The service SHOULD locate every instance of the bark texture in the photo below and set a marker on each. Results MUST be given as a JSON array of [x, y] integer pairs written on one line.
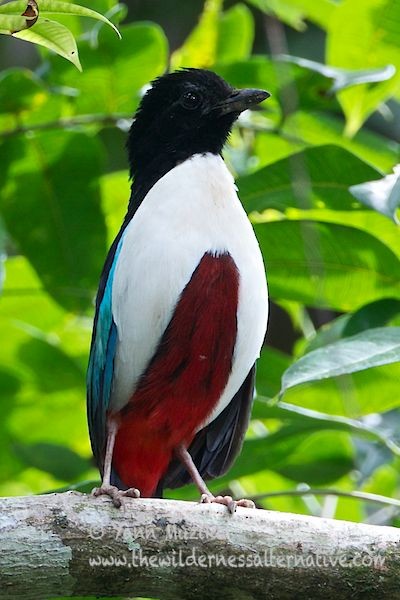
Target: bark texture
[[75, 545]]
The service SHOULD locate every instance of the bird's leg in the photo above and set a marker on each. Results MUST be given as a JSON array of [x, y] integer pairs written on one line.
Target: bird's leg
[[206, 496], [106, 489]]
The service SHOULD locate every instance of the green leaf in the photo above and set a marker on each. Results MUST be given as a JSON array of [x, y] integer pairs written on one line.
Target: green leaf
[[10, 386], [57, 221], [307, 421], [47, 33], [370, 222], [363, 34], [270, 147], [371, 348], [13, 8], [11, 23], [118, 12], [382, 195], [327, 265], [319, 12], [37, 354], [315, 177], [62, 462], [31, 321], [319, 128], [321, 458], [361, 393], [333, 331], [369, 391], [256, 71], [20, 89], [325, 456], [376, 314], [236, 34], [293, 12], [24, 18], [383, 481], [25, 307], [115, 190], [199, 49], [270, 368], [54, 36], [66, 8], [60, 8], [104, 86], [283, 10], [342, 78], [26, 101]]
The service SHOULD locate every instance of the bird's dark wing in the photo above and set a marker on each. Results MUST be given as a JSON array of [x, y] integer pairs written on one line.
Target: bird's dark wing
[[215, 447]]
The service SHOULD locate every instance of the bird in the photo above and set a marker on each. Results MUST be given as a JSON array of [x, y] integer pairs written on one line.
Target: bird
[[182, 304]]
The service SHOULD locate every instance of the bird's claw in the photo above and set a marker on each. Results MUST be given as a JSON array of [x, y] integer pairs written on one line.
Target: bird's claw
[[227, 501], [115, 494]]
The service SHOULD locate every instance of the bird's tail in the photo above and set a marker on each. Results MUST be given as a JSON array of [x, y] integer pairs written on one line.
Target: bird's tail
[[158, 493]]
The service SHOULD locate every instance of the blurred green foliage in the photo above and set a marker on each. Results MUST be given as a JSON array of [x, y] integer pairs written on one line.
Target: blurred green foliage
[[63, 193]]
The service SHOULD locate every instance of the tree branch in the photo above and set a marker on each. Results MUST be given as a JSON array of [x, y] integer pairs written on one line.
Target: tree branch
[[96, 119], [72, 544]]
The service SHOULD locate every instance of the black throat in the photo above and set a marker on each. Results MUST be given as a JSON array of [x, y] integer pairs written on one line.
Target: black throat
[[184, 113], [153, 154]]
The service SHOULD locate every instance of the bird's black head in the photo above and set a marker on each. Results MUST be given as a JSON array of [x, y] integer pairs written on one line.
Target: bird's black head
[[184, 113]]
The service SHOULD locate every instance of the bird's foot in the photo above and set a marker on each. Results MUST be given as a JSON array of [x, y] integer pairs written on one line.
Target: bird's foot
[[115, 494], [228, 501]]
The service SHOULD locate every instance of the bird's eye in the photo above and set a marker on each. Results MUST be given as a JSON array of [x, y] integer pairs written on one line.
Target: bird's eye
[[190, 100]]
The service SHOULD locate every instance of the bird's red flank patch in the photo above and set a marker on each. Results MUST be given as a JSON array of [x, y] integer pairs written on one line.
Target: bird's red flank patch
[[185, 378]]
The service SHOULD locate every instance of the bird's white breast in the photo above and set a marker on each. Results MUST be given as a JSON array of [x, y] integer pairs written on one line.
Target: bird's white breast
[[193, 209]]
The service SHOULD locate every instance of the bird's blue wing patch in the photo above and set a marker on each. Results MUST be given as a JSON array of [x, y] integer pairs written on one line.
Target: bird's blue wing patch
[[101, 361]]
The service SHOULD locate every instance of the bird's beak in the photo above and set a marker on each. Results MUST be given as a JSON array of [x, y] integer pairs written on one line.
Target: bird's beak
[[241, 100]]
